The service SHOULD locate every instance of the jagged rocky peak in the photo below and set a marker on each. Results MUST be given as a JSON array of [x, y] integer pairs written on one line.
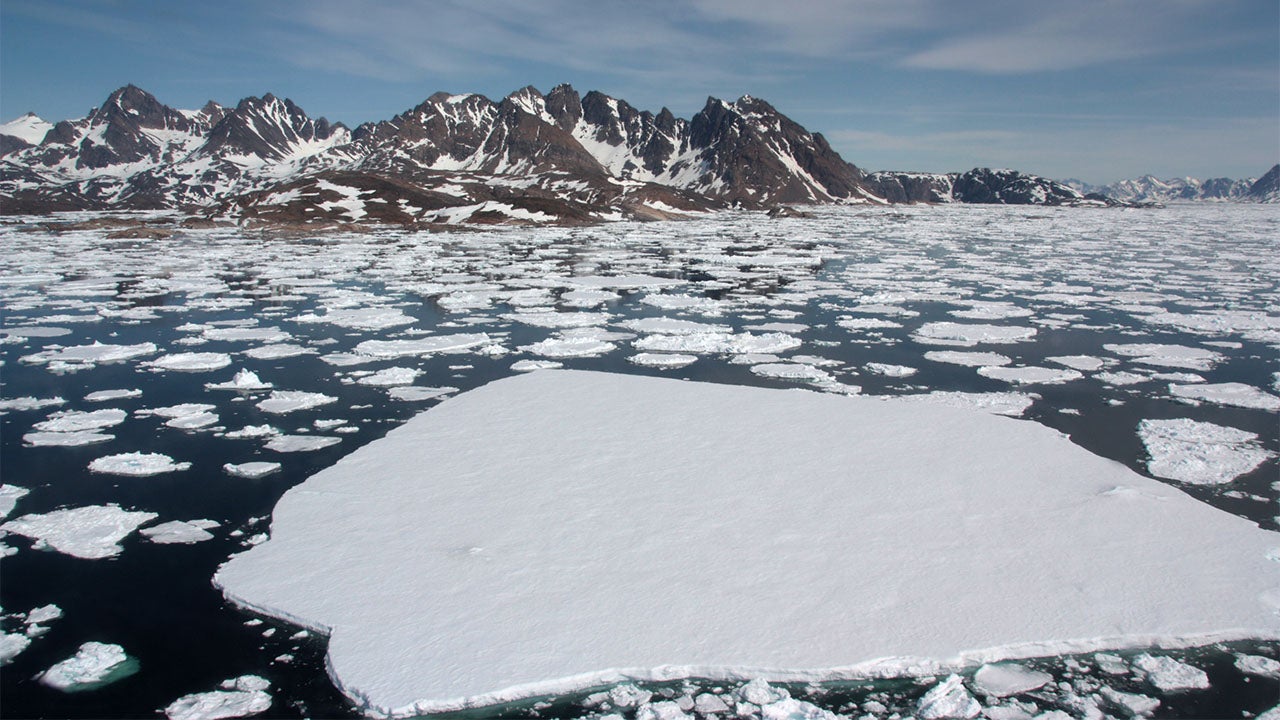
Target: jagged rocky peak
[[268, 128], [1267, 188]]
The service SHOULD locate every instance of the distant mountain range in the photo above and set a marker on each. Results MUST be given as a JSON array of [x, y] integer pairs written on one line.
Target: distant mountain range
[[1149, 188], [559, 158]]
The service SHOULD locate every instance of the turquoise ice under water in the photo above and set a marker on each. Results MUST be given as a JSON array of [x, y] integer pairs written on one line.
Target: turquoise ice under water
[[830, 298]]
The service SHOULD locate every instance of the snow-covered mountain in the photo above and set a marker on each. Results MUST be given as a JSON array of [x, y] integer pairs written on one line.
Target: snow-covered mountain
[[1149, 188], [980, 186], [560, 155], [1267, 187]]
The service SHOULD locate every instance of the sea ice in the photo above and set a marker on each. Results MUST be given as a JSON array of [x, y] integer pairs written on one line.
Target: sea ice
[[967, 335], [792, 371], [1199, 453], [11, 644], [239, 697], [245, 334], [300, 443], [663, 360], [93, 665], [1178, 356], [1129, 704], [1228, 393], [422, 346], [137, 464], [391, 377], [867, 323], [251, 470], [569, 347], [1005, 679], [43, 614], [30, 403], [897, 371], [9, 497], [672, 326], [89, 532], [65, 439], [242, 381], [558, 320], [718, 343], [417, 393], [557, 543], [1087, 363], [1032, 375], [105, 395], [190, 362], [180, 532], [531, 365], [948, 699], [1168, 675], [1258, 665], [967, 359], [253, 431], [287, 401], [277, 351], [66, 421], [366, 318], [89, 354]]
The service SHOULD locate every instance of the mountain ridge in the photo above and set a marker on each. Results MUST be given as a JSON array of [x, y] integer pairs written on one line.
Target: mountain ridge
[[559, 157]]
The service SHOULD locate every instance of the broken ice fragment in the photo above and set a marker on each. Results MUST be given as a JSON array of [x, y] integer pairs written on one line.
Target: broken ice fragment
[[948, 699], [137, 464], [95, 664]]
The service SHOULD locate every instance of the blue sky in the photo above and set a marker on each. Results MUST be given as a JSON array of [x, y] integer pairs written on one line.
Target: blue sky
[[1094, 89]]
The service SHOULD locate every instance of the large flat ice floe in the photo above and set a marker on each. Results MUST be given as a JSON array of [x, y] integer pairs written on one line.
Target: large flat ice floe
[[562, 529]]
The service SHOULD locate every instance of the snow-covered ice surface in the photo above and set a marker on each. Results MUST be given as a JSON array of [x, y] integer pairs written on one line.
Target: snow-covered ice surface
[[559, 544], [89, 532], [1178, 304], [1199, 452], [95, 664], [244, 696]]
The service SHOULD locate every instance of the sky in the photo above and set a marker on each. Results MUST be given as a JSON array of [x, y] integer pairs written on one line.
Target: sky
[[1097, 90]]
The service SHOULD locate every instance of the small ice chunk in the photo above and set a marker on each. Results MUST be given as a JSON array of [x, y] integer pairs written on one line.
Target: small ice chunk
[[94, 664], [65, 439], [105, 395], [531, 365], [301, 443], [792, 371], [1168, 675], [1121, 378], [29, 403], [967, 359], [1129, 704], [253, 431], [287, 401], [391, 377], [1031, 375], [1087, 363], [137, 464], [240, 697], [948, 699], [43, 614], [1178, 356], [414, 393], [10, 645], [663, 360], [9, 497], [569, 347], [1229, 393], [66, 421], [628, 695], [1005, 679], [1199, 453], [967, 335], [190, 362], [242, 381], [672, 326], [897, 371], [89, 532], [1258, 665], [277, 351], [251, 470], [178, 532]]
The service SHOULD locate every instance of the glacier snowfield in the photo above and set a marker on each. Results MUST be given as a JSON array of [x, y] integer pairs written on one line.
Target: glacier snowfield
[[160, 397]]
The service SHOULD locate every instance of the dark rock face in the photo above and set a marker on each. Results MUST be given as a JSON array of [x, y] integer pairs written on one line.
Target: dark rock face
[[908, 187], [11, 144], [1267, 188], [1009, 187]]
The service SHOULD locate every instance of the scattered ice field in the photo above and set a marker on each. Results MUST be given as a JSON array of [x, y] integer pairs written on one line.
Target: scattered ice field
[[160, 396]]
